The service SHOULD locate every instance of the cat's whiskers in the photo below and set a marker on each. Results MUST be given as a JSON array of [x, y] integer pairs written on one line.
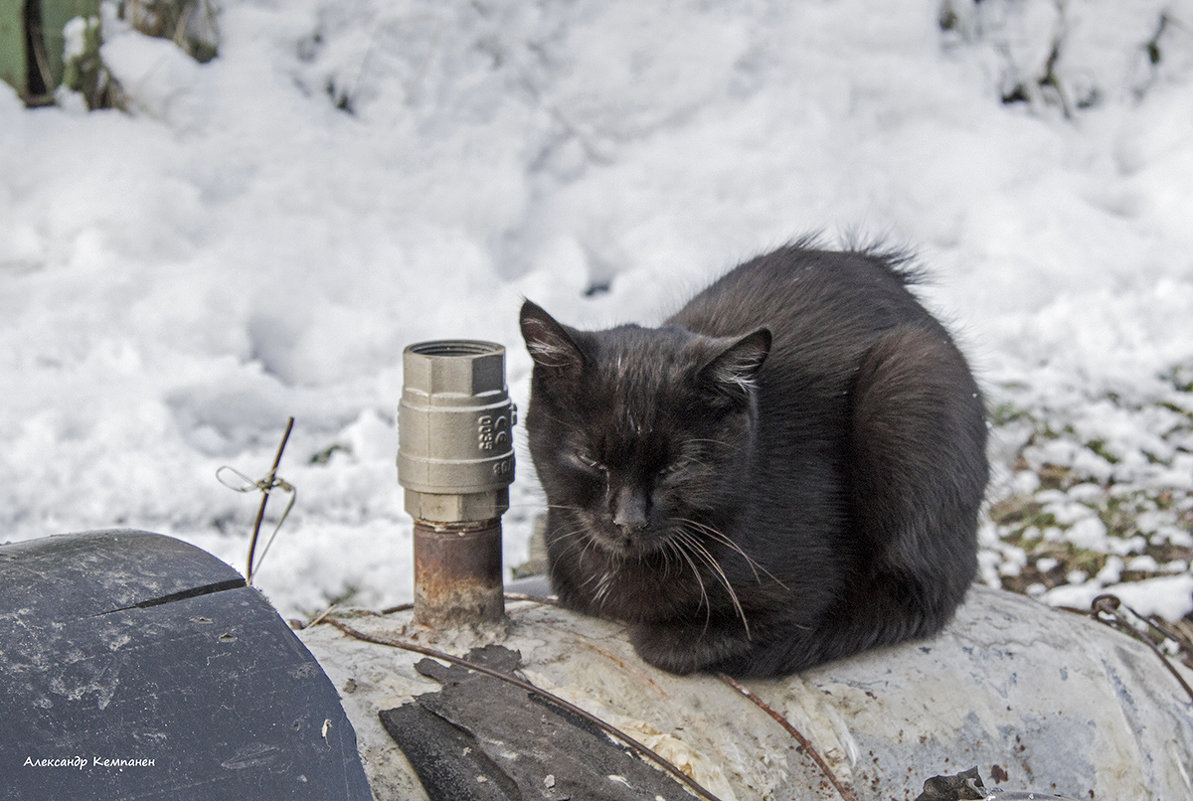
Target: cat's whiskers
[[724, 539], [574, 535], [672, 545], [605, 585], [697, 549], [589, 544], [717, 535], [567, 541], [603, 580], [602, 591], [664, 552], [670, 556]]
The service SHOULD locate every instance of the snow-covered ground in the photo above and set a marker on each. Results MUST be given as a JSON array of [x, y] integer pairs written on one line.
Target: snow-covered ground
[[260, 236]]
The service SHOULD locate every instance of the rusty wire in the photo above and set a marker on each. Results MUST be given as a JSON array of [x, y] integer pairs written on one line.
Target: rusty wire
[[1106, 609], [522, 684], [844, 789]]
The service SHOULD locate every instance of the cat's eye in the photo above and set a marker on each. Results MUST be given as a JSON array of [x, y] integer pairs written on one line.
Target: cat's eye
[[586, 460], [673, 467]]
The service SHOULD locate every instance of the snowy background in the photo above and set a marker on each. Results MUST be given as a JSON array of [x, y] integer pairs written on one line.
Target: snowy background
[[260, 236]]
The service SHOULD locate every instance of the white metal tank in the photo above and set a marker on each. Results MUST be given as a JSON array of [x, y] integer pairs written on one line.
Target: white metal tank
[[1037, 699]]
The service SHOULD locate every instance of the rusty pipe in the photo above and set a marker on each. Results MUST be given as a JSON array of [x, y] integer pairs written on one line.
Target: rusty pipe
[[455, 463]]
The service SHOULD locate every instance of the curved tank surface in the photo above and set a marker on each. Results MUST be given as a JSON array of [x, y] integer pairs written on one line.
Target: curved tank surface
[[1036, 698]]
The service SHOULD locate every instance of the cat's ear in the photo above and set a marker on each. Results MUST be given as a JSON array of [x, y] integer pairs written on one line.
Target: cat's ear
[[550, 343], [731, 373]]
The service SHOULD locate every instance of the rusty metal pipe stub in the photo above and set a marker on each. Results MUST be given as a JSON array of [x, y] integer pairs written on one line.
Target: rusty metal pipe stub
[[457, 574]]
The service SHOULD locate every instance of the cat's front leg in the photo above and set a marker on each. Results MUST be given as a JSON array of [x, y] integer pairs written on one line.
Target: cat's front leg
[[687, 647]]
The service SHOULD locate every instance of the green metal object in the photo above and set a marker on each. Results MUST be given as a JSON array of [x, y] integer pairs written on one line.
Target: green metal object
[[32, 43], [13, 55]]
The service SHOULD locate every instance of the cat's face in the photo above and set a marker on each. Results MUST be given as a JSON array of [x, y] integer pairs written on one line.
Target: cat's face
[[639, 433]]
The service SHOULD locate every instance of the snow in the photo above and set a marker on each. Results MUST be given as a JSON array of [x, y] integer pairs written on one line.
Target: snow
[[260, 236]]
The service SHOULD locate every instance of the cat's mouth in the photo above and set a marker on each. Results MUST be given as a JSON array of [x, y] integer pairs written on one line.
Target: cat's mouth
[[624, 542]]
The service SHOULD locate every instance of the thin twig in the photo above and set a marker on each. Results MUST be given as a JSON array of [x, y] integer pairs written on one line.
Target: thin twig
[[545, 600], [319, 617], [509, 596], [845, 790], [389, 610], [566, 705], [265, 486], [268, 484]]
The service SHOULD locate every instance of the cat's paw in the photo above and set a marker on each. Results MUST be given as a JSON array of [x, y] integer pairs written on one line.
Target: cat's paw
[[681, 648], [653, 644]]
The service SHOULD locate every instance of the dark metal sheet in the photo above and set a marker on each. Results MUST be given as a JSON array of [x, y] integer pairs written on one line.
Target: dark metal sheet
[[480, 737], [136, 666]]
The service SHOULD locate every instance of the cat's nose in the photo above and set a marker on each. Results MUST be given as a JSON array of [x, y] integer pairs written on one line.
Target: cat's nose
[[629, 509], [630, 524]]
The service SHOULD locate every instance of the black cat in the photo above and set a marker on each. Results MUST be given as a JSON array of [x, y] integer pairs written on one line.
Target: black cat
[[787, 472]]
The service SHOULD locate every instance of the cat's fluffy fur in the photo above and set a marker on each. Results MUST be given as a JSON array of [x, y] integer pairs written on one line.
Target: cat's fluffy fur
[[787, 471]]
